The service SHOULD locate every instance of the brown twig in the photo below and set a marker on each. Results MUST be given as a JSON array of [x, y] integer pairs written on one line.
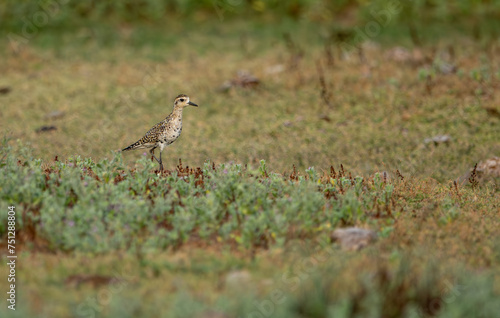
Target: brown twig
[[325, 94]]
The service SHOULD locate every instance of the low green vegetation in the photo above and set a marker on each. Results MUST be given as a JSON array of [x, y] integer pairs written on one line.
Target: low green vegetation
[[102, 206], [222, 226]]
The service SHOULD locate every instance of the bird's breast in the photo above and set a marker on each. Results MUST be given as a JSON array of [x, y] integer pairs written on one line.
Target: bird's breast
[[171, 133]]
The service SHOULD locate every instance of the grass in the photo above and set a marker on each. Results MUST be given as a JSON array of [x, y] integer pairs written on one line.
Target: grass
[[242, 227], [380, 112]]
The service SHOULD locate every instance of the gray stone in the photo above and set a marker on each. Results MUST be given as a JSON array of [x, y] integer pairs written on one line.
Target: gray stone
[[486, 170], [353, 238], [237, 278]]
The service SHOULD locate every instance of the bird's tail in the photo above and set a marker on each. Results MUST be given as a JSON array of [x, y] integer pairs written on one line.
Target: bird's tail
[[132, 146]]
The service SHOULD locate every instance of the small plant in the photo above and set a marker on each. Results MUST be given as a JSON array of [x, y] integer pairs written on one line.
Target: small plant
[[473, 177], [262, 169]]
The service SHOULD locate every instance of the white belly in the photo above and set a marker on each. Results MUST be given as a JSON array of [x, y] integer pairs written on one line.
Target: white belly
[[169, 137]]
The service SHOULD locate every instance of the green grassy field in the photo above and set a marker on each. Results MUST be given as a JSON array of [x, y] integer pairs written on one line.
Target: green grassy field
[[242, 227]]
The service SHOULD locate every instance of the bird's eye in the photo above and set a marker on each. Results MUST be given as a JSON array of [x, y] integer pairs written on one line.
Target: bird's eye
[[182, 99]]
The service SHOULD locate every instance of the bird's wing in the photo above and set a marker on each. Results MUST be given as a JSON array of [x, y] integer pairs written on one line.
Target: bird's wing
[[149, 139]]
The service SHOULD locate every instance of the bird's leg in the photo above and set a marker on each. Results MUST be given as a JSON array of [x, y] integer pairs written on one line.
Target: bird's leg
[[161, 164], [152, 152]]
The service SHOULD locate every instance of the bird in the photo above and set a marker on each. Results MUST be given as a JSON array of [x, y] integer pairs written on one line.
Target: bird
[[165, 132]]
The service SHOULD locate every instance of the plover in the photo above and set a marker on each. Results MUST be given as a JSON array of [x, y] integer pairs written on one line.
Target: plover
[[165, 132]]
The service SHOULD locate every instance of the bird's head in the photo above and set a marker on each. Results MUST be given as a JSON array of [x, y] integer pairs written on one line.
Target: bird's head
[[183, 101]]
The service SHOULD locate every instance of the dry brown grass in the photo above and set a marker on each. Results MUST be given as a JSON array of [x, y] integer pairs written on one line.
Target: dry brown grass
[[379, 109], [370, 114]]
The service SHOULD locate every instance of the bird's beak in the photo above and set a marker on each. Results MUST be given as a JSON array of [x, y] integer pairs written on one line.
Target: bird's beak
[[192, 104]]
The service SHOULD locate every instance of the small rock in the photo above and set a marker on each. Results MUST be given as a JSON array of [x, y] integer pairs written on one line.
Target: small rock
[[54, 114], [447, 68], [5, 90], [439, 139], [402, 55], [225, 87], [243, 79], [236, 278], [325, 118], [486, 170], [275, 69], [398, 54], [353, 238], [46, 129]]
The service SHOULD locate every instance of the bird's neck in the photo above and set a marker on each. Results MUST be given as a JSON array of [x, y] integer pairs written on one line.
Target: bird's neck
[[177, 112]]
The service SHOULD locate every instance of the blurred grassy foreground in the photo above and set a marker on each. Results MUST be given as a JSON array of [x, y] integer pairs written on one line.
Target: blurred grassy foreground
[[363, 115]]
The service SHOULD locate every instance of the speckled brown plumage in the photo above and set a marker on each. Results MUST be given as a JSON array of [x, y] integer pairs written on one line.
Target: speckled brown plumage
[[165, 132]]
